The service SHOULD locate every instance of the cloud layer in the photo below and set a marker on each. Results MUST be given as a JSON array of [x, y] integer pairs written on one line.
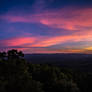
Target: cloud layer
[[56, 27]]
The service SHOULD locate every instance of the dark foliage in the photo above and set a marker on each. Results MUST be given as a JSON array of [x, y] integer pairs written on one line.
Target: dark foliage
[[17, 75]]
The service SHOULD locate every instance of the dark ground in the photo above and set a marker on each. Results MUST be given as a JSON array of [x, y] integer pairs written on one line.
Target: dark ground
[[80, 62]]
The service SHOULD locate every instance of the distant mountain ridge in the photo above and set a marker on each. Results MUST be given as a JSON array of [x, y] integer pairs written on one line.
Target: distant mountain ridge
[[81, 62]]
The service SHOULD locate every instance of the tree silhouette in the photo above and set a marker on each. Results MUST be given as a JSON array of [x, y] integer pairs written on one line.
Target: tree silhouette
[[14, 76], [2, 55], [14, 54], [18, 75]]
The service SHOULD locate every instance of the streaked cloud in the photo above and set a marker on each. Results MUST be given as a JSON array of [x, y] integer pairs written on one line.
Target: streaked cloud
[[46, 42], [19, 41], [62, 26], [66, 18]]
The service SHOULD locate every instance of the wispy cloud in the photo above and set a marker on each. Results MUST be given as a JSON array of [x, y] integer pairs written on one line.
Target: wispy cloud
[[46, 41], [76, 21], [19, 41], [65, 18]]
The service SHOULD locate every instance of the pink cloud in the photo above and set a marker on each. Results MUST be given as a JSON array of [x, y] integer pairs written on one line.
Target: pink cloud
[[17, 41], [71, 19], [67, 18], [42, 41], [76, 37], [26, 44]]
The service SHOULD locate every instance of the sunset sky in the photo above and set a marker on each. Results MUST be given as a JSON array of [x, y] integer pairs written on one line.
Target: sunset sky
[[46, 26]]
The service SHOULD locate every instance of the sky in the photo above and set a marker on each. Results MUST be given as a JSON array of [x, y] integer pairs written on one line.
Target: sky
[[46, 26]]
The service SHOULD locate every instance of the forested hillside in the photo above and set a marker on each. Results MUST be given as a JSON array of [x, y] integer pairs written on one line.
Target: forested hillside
[[18, 75]]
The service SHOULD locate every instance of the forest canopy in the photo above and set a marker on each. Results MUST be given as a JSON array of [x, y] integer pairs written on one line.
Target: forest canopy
[[18, 75]]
